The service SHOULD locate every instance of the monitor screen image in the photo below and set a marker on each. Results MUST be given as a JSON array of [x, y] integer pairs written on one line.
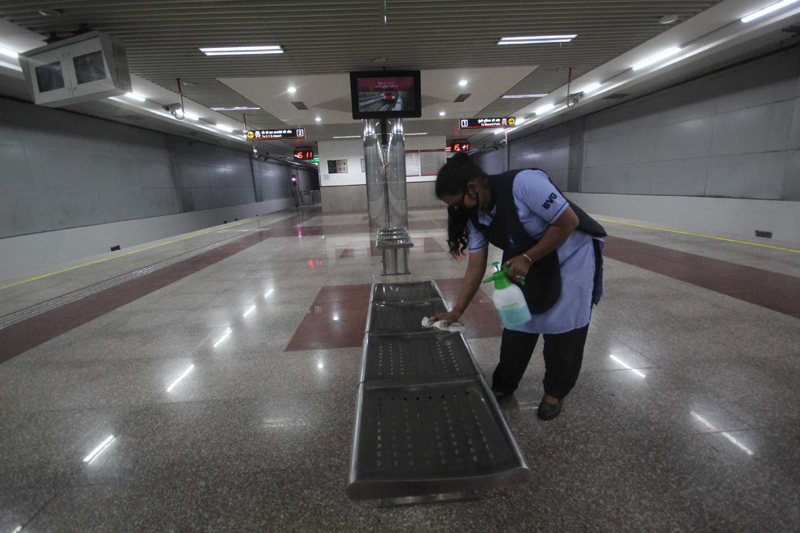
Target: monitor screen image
[[385, 94]]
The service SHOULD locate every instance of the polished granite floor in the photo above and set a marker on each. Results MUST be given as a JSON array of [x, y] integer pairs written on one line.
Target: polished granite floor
[[217, 393]]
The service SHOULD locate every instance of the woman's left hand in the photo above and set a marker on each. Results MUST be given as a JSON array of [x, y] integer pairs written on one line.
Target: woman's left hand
[[518, 268]]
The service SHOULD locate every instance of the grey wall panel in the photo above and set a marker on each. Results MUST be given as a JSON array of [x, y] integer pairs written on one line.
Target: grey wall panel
[[747, 175], [161, 202], [598, 179], [220, 197], [684, 140], [632, 179], [493, 162], [201, 198], [20, 213], [217, 177], [191, 175], [679, 177], [734, 133], [123, 204], [185, 200], [155, 174], [65, 207], [15, 173], [755, 129]]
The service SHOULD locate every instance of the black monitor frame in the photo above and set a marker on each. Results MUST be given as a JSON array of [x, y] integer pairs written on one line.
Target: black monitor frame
[[354, 77]]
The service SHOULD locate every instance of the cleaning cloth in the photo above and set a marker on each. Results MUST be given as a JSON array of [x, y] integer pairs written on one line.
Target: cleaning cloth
[[456, 327]]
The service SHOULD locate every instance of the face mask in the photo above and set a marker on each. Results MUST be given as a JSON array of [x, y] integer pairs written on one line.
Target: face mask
[[469, 212]]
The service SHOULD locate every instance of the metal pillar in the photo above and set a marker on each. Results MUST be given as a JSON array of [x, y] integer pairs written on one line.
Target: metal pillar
[[387, 205]]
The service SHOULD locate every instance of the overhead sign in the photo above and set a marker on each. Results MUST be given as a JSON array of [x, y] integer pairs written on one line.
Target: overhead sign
[[304, 154], [469, 123], [289, 133], [458, 146]]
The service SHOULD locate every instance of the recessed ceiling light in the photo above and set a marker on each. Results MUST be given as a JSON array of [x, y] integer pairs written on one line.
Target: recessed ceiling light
[[524, 95], [657, 58], [50, 13], [379, 60], [242, 50], [767, 10], [237, 108], [223, 128], [462, 82], [8, 52], [591, 88], [292, 89], [668, 19], [137, 97], [318, 119], [442, 113], [537, 39]]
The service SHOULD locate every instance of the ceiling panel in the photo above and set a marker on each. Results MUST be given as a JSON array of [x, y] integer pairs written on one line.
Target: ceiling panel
[[329, 37]]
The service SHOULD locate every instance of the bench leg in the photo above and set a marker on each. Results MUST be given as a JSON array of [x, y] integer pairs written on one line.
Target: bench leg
[[470, 495]]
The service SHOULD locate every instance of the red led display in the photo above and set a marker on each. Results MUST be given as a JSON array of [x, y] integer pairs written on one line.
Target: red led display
[[458, 146], [304, 154]]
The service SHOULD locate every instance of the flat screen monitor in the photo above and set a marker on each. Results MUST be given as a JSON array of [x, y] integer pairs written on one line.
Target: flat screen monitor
[[386, 94]]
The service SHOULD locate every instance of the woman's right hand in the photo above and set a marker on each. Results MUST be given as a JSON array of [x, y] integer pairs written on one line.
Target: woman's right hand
[[448, 318]]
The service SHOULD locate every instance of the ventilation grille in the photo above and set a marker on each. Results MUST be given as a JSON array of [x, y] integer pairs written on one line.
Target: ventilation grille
[[616, 96], [300, 105], [461, 98]]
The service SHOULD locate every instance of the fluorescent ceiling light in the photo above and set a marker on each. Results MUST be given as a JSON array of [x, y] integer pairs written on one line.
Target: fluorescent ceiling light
[[591, 88], [348, 136], [223, 128], [442, 113], [520, 120], [545, 109], [655, 59], [137, 97], [242, 50], [10, 65], [178, 380], [524, 95], [266, 295], [419, 133], [292, 89], [8, 52], [462, 83], [767, 10], [238, 108], [253, 308], [100, 449], [318, 119], [537, 39], [190, 116]]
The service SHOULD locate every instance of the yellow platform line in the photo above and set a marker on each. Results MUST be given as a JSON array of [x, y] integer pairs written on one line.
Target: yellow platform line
[[129, 253], [701, 235]]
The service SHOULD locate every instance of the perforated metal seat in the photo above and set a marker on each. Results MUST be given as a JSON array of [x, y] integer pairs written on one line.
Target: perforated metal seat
[[420, 358], [385, 318], [406, 292], [431, 439], [428, 427]]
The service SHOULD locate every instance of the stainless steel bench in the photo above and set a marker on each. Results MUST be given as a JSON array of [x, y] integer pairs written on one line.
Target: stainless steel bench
[[394, 244], [427, 426]]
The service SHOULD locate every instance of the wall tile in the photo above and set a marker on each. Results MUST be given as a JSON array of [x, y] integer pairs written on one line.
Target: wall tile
[[155, 174], [634, 148], [747, 175], [161, 202], [217, 176], [62, 208], [600, 153], [791, 177], [15, 174], [191, 175], [684, 140], [755, 129], [61, 168], [123, 204], [20, 213], [220, 197], [680, 177], [632, 179], [598, 179]]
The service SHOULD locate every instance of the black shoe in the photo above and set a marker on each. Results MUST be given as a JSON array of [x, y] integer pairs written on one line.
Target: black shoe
[[503, 397], [548, 411]]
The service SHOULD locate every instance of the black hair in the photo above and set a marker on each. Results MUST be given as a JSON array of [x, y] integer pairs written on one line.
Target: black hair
[[453, 179]]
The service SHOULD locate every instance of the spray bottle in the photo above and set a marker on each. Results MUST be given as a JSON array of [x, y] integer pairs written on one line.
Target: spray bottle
[[508, 298]]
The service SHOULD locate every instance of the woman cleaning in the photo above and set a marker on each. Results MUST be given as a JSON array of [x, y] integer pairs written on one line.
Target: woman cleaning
[[548, 242]]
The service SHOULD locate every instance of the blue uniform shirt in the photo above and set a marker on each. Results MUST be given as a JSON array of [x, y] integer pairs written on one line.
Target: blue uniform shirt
[[538, 204]]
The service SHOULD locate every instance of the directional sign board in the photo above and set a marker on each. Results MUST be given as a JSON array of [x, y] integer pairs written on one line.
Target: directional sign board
[[501, 122], [289, 133]]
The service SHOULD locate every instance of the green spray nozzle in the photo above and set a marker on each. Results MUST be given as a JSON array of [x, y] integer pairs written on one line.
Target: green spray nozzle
[[500, 277]]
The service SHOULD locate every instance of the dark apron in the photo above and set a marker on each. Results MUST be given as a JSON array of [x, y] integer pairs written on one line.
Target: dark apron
[[542, 287]]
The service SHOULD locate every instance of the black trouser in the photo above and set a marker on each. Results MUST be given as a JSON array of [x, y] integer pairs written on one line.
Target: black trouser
[[563, 355]]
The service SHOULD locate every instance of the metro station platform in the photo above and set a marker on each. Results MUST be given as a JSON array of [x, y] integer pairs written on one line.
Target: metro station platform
[[207, 383]]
